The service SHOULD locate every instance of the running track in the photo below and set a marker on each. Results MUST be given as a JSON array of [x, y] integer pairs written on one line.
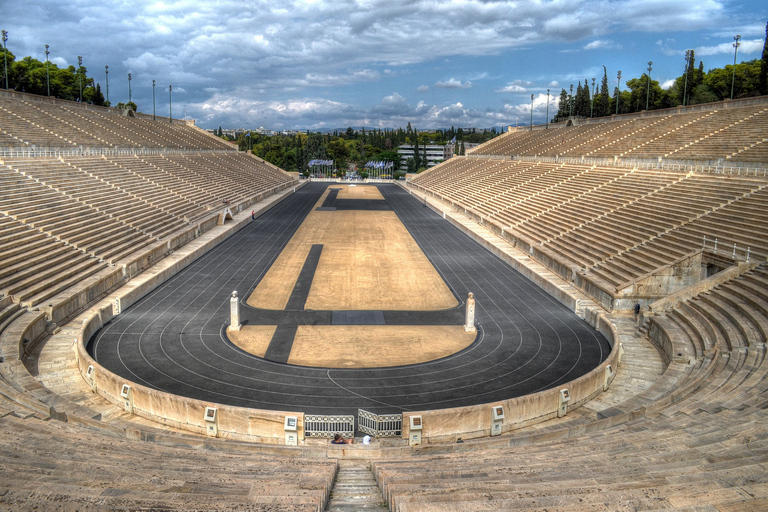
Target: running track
[[174, 339]]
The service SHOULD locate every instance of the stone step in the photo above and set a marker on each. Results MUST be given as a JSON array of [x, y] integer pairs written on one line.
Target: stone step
[[355, 488]]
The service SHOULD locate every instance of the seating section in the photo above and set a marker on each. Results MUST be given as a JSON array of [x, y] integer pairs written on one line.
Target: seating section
[[617, 224], [87, 469], [66, 218], [698, 442], [56, 124], [733, 132]]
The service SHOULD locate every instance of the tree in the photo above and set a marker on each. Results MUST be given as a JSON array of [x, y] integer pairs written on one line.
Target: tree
[[603, 107], [763, 81], [562, 108], [747, 80]]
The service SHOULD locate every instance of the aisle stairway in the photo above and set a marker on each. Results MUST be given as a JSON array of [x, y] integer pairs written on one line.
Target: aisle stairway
[[355, 488]]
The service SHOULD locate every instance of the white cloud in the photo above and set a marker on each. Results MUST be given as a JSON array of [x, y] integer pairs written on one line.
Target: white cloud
[[518, 86], [749, 47], [452, 83], [666, 84], [602, 44], [293, 62]]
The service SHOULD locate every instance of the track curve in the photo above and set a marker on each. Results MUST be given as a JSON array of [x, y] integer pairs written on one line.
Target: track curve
[[174, 339]]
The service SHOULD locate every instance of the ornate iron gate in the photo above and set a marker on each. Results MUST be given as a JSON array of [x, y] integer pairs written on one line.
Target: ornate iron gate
[[326, 425], [379, 425]]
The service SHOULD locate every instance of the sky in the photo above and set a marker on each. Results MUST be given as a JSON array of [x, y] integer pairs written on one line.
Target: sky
[[322, 65]]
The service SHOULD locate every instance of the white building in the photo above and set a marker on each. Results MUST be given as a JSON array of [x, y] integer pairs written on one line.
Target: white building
[[435, 154]]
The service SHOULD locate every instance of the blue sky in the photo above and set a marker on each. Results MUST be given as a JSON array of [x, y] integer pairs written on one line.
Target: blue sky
[[316, 64]]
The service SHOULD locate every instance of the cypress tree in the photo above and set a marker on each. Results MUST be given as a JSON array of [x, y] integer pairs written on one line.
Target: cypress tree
[[604, 103], [764, 65]]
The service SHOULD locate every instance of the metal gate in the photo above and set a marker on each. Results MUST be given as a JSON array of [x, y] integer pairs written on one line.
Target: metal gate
[[326, 425], [379, 425]]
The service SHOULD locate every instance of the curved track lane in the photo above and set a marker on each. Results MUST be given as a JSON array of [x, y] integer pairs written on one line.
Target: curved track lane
[[173, 339]]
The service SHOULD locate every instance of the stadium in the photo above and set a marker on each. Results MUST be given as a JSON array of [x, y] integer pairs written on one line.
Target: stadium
[[185, 326]]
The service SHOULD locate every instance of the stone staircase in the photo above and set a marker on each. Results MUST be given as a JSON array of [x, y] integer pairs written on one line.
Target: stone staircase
[[355, 488]]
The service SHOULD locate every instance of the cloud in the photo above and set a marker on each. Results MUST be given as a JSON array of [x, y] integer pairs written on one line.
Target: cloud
[[518, 86], [748, 47], [291, 63], [453, 84], [602, 45]]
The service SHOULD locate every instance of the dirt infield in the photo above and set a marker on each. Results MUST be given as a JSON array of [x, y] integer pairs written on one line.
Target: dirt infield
[[360, 346], [369, 262]]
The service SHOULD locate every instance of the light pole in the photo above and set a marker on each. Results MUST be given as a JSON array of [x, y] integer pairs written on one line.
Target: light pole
[[130, 97], [592, 103], [80, 75], [570, 102], [618, 91], [47, 73], [687, 65], [153, 101], [547, 126], [5, 57], [735, 51], [648, 90], [531, 112], [170, 103], [106, 72]]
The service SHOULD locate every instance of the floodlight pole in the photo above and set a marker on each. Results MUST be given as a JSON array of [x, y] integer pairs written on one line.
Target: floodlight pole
[[170, 103], [648, 90], [618, 91], [592, 102], [106, 72], [570, 102], [547, 125], [80, 75], [5, 56], [735, 51], [130, 97], [153, 101], [531, 112], [47, 73]]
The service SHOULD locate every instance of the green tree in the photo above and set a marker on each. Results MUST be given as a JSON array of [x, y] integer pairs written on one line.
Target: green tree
[[339, 152], [603, 106], [747, 81], [563, 106], [763, 80]]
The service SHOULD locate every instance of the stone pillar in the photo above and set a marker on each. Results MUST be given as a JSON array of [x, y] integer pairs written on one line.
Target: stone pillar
[[234, 313], [469, 324]]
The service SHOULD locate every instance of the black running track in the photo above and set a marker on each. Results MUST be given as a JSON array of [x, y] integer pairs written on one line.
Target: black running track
[[174, 339]]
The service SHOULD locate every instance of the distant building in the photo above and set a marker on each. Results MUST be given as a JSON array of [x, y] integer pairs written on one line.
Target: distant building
[[436, 153]]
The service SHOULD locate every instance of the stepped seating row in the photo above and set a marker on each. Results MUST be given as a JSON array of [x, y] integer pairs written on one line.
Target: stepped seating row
[[736, 133], [703, 446], [617, 224], [35, 266], [65, 219], [32, 122], [741, 221], [47, 461]]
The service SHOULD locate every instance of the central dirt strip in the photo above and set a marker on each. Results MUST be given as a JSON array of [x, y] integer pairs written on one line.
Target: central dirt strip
[[174, 339]]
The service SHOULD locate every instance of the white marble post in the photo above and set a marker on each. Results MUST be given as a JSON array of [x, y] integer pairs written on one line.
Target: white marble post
[[469, 324], [234, 313]]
